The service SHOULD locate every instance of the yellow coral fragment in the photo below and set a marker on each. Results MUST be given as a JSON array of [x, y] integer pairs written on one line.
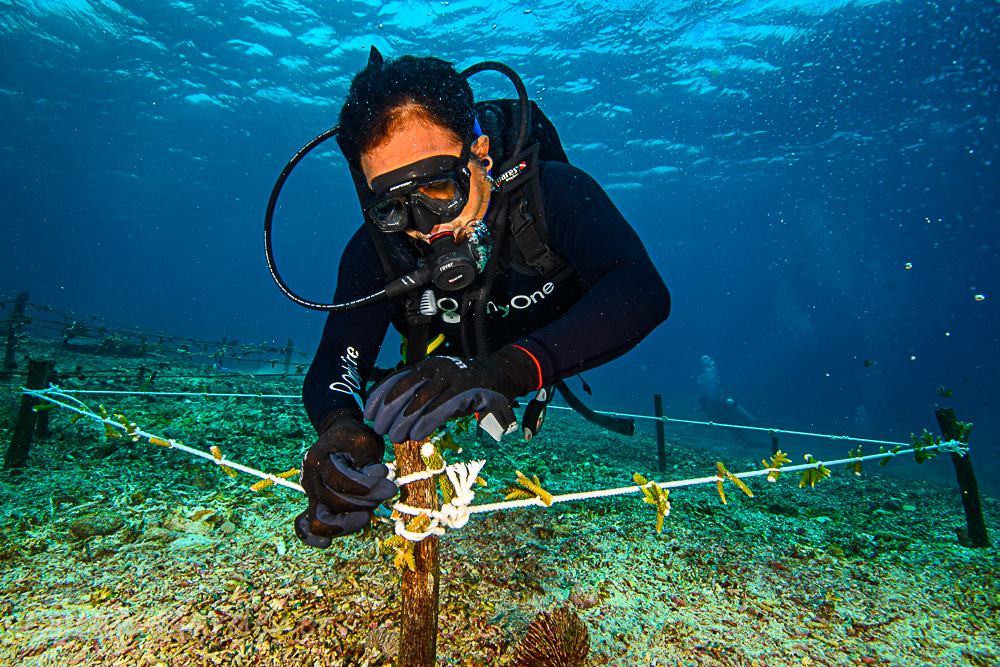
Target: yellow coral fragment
[[854, 465], [812, 475], [724, 475], [404, 558], [126, 424], [419, 523], [159, 441], [109, 433], [262, 484], [530, 489], [217, 454], [654, 495], [432, 457], [447, 489], [778, 460]]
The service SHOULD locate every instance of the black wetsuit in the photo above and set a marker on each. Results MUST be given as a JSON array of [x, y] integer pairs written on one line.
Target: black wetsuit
[[615, 299]]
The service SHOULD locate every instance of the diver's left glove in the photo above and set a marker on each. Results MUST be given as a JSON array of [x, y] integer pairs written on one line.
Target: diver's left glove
[[344, 479], [413, 403]]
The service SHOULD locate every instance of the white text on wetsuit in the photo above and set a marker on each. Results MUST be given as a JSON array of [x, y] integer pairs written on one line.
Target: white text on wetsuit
[[522, 301], [350, 379]]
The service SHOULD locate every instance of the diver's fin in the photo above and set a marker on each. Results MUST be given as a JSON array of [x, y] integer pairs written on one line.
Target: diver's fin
[[750, 421], [375, 59], [614, 424]]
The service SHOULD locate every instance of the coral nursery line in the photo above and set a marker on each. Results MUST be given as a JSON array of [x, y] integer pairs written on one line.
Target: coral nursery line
[[526, 492]]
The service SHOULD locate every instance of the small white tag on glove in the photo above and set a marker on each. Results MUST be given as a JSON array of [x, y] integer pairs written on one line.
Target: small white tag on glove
[[492, 425]]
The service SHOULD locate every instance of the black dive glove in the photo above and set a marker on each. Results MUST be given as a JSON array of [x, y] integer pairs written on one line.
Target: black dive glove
[[344, 479], [411, 404]]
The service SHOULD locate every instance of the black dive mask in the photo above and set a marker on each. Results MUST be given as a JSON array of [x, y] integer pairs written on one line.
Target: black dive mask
[[422, 195]]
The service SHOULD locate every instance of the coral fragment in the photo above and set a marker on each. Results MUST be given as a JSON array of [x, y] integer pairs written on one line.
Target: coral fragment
[[812, 475], [654, 495]]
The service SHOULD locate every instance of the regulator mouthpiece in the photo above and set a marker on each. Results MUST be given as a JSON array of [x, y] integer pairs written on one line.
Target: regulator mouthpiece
[[452, 266]]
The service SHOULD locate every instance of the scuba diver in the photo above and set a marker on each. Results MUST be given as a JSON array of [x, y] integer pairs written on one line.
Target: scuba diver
[[726, 411], [504, 268]]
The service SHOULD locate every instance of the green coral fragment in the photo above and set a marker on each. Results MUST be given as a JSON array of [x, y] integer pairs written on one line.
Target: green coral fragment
[[812, 475], [885, 461], [963, 432], [529, 488], [447, 441], [921, 446], [654, 495]]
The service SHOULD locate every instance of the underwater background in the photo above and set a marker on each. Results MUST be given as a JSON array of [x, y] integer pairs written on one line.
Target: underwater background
[[815, 180]]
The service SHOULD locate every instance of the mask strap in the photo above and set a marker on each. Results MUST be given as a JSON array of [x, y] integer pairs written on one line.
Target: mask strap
[[477, 130]]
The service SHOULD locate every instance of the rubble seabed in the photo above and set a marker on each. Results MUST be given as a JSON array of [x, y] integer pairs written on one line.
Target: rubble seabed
[[202, 571]]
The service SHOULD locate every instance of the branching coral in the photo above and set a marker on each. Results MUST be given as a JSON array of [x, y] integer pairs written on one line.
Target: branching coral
[[654, 495], [885, 461], [723, 475], [527, 488], [778, 460], [921, 453], [854, 465], [812, 475]]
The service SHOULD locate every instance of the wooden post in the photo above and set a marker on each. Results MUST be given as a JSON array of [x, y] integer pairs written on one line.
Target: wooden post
[[14, 322], [661, 445], [418, 640], [774, 443], [967, 483], [289, 348], [20, 442]]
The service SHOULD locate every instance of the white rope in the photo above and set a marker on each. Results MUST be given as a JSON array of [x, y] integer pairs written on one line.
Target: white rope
[[455, 514], [664, 418], [55, 396], [180, 393], [765, 429]]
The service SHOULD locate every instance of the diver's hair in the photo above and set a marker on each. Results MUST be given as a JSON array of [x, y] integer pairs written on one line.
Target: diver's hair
[[382, 98]]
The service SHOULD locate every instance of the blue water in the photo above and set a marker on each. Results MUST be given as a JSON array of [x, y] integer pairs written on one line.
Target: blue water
[[783, 161]]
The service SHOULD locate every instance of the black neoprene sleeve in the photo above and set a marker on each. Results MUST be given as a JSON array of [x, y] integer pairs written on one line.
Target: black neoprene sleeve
[[626, 299]]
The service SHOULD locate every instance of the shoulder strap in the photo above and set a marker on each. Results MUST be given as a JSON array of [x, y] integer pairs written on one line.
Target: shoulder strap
[[520, 179], [392, 271]]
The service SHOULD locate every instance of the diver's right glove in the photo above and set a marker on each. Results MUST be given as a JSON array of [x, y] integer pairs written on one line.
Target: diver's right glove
[[414, 402], [344, 479]]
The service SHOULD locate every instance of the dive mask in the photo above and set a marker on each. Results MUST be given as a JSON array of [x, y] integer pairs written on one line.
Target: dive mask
[[421, 195]]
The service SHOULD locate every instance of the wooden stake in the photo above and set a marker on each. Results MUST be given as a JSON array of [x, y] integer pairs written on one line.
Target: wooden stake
[[967, 483], [24, 427], [418, 640]]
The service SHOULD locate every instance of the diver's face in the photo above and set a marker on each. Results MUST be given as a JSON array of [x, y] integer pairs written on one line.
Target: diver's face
[[418, 139]]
